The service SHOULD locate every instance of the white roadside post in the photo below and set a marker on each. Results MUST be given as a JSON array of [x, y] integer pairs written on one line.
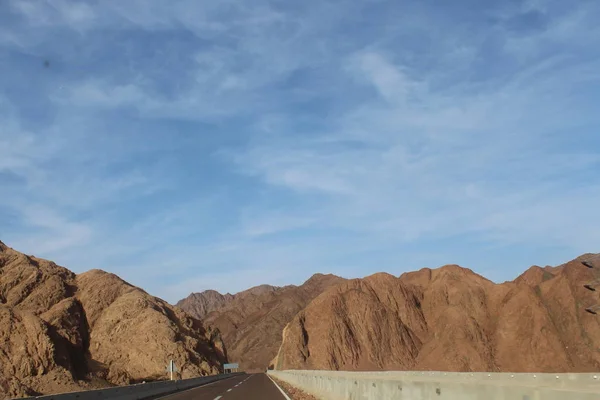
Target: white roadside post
[[171, 368]]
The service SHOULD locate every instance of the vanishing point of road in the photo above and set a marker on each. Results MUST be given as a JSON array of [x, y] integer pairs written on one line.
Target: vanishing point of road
[[241, 387]]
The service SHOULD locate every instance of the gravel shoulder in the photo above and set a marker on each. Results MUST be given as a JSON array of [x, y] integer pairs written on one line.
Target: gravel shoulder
[[293, 392]]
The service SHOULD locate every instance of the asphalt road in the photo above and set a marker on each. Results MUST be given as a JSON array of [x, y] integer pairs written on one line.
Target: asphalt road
[[242, 387]]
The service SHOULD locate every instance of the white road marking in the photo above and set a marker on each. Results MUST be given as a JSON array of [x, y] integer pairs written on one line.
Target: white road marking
[[229, 390], [218, 397], [280, 389], [194, 388]]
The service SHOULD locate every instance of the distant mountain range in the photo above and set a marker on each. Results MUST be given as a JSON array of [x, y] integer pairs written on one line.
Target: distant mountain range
[[61, 331], [448, 318], [251, 321]]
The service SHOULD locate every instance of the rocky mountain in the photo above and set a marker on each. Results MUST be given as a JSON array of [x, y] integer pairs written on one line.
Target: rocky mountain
[[61, 332], [451, 319], [200, 304], [250, 322]]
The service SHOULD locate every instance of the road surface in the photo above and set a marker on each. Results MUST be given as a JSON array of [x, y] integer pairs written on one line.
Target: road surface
[[242, 387]]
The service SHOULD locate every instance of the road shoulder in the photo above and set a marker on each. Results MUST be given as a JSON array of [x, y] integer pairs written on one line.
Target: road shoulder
[[293, 392]]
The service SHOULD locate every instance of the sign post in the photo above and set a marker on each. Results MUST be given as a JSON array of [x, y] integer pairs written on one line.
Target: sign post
[[171, 368], [232, 367]]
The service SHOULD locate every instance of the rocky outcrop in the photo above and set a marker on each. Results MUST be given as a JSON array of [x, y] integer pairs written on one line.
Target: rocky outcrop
[[251, 321], [450, 319], [61, 332]]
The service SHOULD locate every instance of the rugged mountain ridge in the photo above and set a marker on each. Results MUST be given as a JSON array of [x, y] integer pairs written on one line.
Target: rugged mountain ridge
[[450, 319], [251, 321], [61, 332]]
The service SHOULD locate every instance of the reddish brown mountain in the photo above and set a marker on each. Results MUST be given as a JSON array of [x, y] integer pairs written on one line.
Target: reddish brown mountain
[[200, 304], [450, 319], [60, 331], [250, 322]]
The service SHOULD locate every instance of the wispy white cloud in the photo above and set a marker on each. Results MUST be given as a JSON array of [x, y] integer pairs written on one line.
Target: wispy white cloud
[[259, 223], [50, 233], [484, 159], [391, 83], [56, 13]]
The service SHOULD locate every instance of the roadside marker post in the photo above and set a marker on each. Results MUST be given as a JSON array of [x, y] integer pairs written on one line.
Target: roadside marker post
[[171, 368]]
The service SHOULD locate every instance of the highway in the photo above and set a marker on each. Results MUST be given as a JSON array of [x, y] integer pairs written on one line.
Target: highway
[[243, 387]]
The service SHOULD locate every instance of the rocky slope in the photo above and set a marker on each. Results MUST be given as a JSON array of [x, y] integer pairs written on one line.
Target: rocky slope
[[451, 319], [251, 321], [60, 331]]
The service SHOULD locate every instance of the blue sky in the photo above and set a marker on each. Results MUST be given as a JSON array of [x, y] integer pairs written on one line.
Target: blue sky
[[187, 145]]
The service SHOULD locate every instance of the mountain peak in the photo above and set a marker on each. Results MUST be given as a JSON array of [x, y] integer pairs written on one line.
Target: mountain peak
[[318, 277], [419, 278], [454, 268], [260, 289], [208, 292], [199, 305], [319, 282], [457, 272], [380, 277], [535, 275]]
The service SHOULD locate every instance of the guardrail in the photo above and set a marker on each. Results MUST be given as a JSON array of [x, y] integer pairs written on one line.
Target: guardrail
[[427, 385], [138, 391]]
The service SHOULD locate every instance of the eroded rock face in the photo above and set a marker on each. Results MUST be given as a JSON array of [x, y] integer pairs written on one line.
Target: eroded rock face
[[360, 324], [251, 321], [450, 319], [61, 332]]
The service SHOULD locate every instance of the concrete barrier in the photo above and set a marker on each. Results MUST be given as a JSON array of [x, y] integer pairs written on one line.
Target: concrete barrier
[[138, 391], [418, 385]]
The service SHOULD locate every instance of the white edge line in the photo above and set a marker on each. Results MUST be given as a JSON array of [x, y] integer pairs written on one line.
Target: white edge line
[[195, 387], [218, 397], [280, 389]]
